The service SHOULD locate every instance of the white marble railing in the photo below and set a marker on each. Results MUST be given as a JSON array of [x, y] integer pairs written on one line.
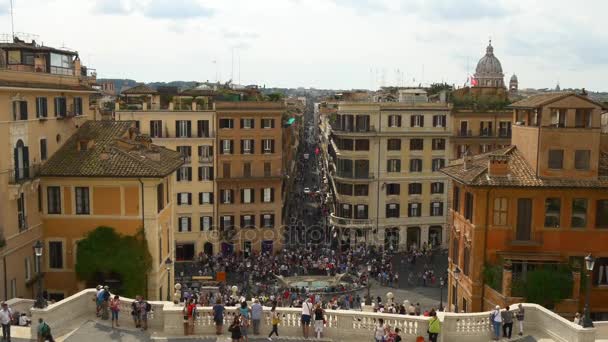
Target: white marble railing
[[166, 319]]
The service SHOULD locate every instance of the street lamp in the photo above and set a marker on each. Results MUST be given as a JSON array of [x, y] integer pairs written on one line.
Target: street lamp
[[441, 283], [456, 274], [368, 299], [589, 263], [40, 301], [168, 263]]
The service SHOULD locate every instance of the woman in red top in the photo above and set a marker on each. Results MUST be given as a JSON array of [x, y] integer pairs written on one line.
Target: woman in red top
[[115, 308], [190, 313]]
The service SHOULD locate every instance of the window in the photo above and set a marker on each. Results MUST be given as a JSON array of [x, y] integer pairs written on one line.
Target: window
[[248, 221], [436, 208], [39, 191], [438, 144], [414, 189], [14, 57], [205, 173], [247, 169], [483, 148], [53, 194], [28, 269], [582, 118], [485, 129], [439, 120], [205, 152], [160, 197], [183, 129], [437, 187], [247, 196], [185, 152], [361, 211], [416, 144], [579, 213], [82, 200], [184, 174], [226, 123], [456, 250], [77, 105], [581, 159], [361, 190], [184, 198], [392, 210], [267, 123], [205, 198], [468, 206], [601, 214], [43, 151], [227, 196], [413, 210], [361, 145], [267, 220], [227, 223], [268, 195], [393, 165], [345, 211], [61, 107], [55, 254], [226, 146], [393, 189], [247, 123], [438, 163], [415, 165], [417, 121], [558, 117], [267, 172], [394, 120], [362, 122], [226, 170], [500, 211], [600, 272], [41, 107], [206, 223], [247, 146], [344, 189], [504, 129], [184, 224], [393, 144], [556, 159], [456, 199], [202, 128], [466, 261], [19, 110], [552, 212], [61, 64], [156, 129], [21, 218], [268, 145]]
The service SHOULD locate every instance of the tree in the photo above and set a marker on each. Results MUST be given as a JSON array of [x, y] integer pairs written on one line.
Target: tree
[[103, 252]]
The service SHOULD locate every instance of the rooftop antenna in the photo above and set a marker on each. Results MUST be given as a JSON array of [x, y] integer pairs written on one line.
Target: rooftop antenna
[[12, 21]]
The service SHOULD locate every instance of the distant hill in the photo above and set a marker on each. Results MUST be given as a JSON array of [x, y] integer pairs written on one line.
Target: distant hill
[[120, 83]]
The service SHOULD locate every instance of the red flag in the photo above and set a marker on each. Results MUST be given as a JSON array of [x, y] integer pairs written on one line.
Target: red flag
[[473, 81]]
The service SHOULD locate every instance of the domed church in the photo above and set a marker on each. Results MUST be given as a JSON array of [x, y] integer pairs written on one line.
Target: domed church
[[489, 71]]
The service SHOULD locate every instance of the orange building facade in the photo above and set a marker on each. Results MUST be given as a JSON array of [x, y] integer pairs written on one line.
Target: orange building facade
[[542, 201]]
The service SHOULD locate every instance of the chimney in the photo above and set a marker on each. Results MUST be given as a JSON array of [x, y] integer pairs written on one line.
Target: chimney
[[498, 165], [466, 160], [77, 67]]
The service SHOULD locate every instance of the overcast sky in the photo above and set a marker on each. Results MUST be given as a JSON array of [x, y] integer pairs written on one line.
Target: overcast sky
[[326, 43]]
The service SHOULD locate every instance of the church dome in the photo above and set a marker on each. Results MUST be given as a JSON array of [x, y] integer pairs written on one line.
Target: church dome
[[489, 64], [514, 78]]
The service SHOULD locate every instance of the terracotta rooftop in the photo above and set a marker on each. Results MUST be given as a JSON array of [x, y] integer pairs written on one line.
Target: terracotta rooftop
[[521, 174], [539, 100], [110, 152], [140, 89], [15, 84]]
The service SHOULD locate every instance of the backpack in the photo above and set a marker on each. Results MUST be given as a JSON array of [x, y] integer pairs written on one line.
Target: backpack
[[45, 330], [148, 307]]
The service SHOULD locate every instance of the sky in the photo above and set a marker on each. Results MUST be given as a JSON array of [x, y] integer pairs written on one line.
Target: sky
[[339, 44]]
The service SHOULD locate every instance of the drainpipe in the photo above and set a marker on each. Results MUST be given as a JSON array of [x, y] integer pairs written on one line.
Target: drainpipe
[[145, 294], [5, 280], [485, 247]]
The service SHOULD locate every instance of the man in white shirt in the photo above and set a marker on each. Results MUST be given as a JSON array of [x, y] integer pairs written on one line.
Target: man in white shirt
[[6, 316], [306, 310]]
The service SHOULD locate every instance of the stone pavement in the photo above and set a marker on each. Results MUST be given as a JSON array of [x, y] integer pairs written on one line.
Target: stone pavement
[[428, 297]]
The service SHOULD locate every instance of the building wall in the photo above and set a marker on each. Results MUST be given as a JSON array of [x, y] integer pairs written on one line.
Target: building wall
[[19, 242], [472, 140]]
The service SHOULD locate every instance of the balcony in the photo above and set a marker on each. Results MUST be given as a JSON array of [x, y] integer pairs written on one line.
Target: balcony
[[350, 223], [205, 159], [486, 133], [354, 130], [23, 175], [464, 133], [357, 176]]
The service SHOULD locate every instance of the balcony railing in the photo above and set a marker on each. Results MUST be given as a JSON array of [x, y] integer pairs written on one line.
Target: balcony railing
[[342, 174], [535, 238], [486, 133], [363, 129], [465, 133], [349, 222], [22, 175], [207, 159]]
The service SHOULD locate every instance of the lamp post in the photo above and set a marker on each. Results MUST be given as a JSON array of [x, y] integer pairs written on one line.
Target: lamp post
[[441, 283], [589, 263], [368, 299], [168, 263], [40, 301], [456, 274]]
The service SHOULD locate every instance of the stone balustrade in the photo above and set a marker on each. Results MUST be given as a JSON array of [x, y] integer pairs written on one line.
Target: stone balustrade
[[167, 319]]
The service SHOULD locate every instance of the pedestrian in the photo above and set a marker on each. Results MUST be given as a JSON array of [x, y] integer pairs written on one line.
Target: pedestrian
[[577, 318], [6, 317], [520, 318], [380, 330], [417, 310], [98, 300], [306, 311], [235, 329], [256, 316], [44, 331], [105, 303], [143, 309], [319, 320], [507, 323], [397, 337], [274, 320], [245, 315], [135, 312], [218, 316], [496, 321], [115, 308], [434, 326], [190, 313]]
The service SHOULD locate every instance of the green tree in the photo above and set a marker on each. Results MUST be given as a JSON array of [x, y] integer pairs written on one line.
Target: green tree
[[104, 251], [548, 285]]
